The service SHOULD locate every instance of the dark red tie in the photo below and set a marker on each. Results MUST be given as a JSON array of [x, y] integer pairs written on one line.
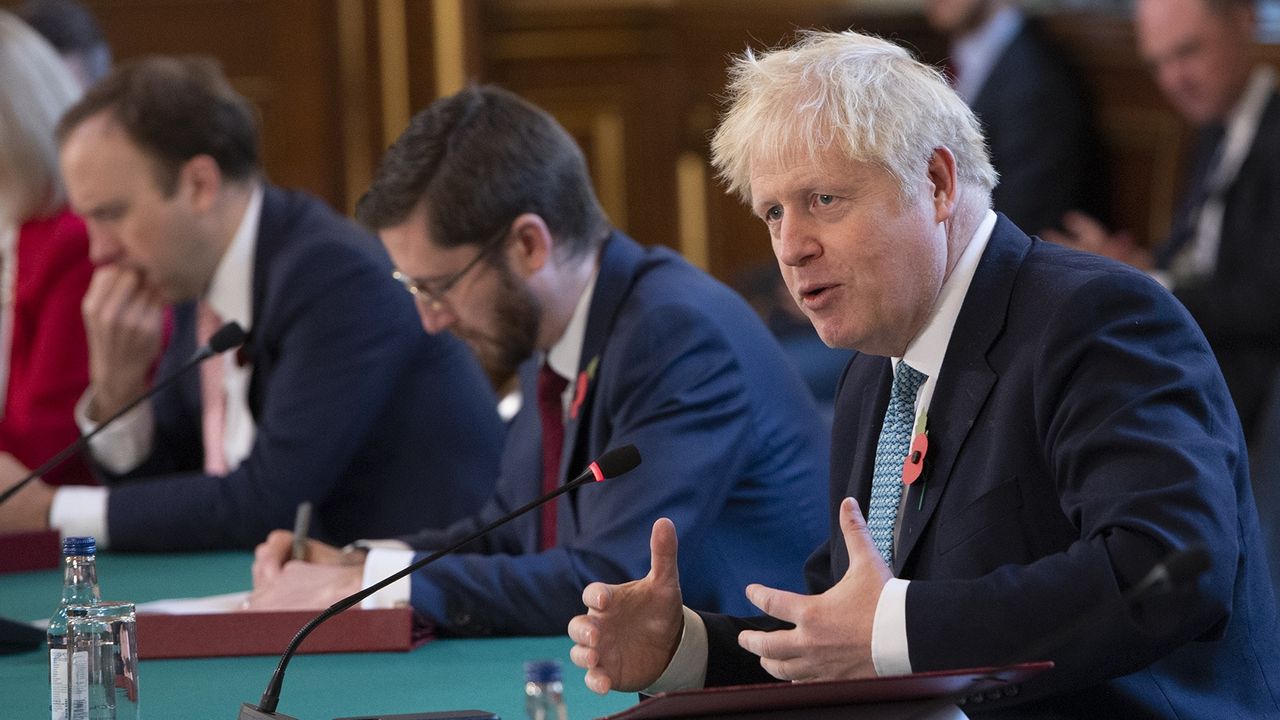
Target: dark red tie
[[551, 407]]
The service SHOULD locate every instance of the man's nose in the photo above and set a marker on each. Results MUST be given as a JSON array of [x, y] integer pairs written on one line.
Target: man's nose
[[435, 316]]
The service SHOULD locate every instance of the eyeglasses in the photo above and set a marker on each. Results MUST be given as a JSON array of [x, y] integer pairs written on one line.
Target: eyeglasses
[[431, 292]]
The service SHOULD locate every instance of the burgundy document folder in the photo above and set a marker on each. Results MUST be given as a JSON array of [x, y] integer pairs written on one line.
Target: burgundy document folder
[[739, 699], [34, 550], [268, 632]]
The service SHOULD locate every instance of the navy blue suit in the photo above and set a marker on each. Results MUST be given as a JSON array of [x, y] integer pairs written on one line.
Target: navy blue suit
[[1080, 430], [385, 428], [1039, 125], [733, 451]]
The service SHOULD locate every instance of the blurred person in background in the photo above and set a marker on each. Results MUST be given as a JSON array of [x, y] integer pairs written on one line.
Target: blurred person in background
[[44, 260], [74, 33], [1034, 112]]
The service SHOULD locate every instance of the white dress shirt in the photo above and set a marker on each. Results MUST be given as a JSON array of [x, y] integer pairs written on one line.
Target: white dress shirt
[[1199, 258], [82, 510], [889, 651], [387, 557]]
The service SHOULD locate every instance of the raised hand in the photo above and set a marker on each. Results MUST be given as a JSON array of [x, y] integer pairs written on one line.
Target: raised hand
[[124, 326], [832, 635], [631, 631]]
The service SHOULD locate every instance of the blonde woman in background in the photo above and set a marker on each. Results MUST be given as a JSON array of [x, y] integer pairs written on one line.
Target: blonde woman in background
[[44, 260]]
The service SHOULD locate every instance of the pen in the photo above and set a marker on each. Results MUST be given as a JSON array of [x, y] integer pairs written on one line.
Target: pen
[[301, 530]]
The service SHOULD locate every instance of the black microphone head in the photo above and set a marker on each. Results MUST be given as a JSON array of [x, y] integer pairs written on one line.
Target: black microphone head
[[227, 337], [617, 461]]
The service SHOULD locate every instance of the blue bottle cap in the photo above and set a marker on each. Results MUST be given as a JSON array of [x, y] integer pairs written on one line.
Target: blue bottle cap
[[542, 671], [79, 546]]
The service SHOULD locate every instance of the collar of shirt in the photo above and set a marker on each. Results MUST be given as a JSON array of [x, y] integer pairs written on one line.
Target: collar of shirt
[[976, 53], [566, 354], [231, 290], [1242, 124], [926, 352]]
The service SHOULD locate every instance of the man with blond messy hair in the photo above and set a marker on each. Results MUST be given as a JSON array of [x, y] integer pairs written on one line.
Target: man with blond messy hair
[[1030, 429]]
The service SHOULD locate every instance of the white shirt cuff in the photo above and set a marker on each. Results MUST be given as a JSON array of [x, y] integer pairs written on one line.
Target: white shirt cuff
[[80, 510], [688, 667], [381, 562], [123, 445], [889, 650]]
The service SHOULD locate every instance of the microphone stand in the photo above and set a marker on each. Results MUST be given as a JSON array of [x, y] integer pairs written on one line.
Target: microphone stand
[[17, 636], [227, 337], [611, 464]]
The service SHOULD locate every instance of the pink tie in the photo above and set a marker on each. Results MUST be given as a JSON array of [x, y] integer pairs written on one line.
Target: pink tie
[[213, 394]]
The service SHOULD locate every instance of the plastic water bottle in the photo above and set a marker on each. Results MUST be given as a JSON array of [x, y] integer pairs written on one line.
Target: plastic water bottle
[[79, 587], [544, 691]]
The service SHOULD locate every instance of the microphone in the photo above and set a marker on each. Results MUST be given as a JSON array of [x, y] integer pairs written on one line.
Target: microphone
[[17, 637], [1176, 572], [228, 336], [608, 466]]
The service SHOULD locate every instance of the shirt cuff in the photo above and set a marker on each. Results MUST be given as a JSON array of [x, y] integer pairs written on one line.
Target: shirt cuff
[[381, 562], [889, 650], [688, 667], [80, 510], [123, 445]]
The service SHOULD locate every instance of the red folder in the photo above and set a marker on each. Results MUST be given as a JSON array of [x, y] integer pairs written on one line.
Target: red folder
[[34, 550], [268, 632], [742, 699]]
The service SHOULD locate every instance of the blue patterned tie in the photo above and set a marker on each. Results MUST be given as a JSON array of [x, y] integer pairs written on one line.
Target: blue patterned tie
[[895, 441]]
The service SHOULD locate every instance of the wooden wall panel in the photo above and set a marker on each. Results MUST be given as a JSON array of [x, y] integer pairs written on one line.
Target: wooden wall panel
[[635, 81]]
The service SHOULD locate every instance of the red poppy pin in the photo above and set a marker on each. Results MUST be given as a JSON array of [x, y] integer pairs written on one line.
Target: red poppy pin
[[580, 387]]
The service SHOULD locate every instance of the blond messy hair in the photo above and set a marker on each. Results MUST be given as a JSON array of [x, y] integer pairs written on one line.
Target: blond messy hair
[[860, 95]]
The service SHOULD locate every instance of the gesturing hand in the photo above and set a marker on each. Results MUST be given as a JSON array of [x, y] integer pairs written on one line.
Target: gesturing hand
[[631, 631], [832, 635]]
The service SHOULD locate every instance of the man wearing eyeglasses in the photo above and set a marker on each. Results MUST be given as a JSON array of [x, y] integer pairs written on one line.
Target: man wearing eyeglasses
[[487, 210], [334, 400]]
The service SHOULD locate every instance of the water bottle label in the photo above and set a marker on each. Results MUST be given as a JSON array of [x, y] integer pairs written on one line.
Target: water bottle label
[[58, 683], [79, 699]]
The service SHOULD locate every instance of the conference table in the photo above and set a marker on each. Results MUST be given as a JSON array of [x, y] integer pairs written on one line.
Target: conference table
[[448, 674]]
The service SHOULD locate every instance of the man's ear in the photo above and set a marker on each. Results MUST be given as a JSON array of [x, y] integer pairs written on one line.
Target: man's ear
[[200, 181], [532, 244], [943, 182]]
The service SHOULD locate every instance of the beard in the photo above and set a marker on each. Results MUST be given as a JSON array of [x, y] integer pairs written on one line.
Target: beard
[[513, 336]]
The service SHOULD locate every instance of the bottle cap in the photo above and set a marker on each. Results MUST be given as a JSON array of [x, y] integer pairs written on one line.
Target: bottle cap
[[542, 671], [79, 546]]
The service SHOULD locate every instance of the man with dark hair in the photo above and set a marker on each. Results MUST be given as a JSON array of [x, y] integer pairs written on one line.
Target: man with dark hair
[[72, 30], [333, 401], [486, 207]]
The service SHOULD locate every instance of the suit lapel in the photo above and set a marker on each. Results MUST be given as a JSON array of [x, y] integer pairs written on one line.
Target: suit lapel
[[619, 258], [965, 380]]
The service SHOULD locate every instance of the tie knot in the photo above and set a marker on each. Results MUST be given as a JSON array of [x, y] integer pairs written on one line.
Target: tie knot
[[907, 380], [550, 384]]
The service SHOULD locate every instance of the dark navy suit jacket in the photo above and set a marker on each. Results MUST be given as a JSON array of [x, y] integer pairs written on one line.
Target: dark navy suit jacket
[[1238, 307], [385, 428], [733, 452], [1080, 430], [1039, 125]]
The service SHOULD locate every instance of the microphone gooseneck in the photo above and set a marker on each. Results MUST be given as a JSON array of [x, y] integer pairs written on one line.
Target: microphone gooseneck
[[228, 336], [609, 465]]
